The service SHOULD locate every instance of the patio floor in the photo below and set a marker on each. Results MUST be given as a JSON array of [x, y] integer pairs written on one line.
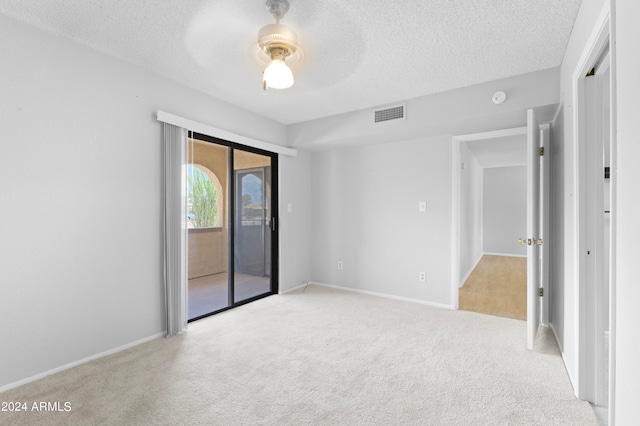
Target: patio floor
[[209, 294]]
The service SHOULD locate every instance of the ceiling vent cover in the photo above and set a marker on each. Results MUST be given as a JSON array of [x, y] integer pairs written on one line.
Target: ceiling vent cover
[[391, 113]]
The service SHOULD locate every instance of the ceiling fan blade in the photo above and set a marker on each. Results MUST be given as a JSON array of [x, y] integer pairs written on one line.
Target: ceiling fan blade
[[218, 29]]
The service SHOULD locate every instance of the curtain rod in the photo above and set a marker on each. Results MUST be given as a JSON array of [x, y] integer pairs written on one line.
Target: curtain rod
[[215, 132]]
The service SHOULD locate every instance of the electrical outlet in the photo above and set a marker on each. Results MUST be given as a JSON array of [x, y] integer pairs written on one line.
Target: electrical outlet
[[422, 276], [340, 264]]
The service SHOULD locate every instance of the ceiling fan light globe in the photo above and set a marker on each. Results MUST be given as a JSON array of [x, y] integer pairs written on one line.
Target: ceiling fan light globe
[[278, 75]]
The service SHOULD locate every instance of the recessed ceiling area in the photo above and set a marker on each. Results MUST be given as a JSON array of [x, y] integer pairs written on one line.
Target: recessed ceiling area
[[502, 151], [355, 54]]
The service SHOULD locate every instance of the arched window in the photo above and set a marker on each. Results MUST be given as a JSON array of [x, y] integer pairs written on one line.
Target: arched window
[[204, 198]]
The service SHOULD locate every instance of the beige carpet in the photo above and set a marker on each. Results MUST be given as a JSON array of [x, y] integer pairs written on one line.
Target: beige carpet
[[497, 286], [319, 357]]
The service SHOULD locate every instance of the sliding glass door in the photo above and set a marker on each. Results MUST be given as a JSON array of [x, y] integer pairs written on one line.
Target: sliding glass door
[[253, 230], [232, 236]]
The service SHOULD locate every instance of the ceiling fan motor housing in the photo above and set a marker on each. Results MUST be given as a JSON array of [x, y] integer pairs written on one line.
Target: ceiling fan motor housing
[[278, 36]]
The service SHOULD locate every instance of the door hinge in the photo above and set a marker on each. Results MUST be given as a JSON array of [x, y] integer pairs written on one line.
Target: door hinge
[[541, 292], [541, 151]]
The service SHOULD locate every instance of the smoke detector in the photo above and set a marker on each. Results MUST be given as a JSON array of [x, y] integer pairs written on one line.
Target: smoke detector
[[499, 97]]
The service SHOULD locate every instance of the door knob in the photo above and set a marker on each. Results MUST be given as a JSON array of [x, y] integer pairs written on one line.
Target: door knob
[[524, 241], [539, 241]]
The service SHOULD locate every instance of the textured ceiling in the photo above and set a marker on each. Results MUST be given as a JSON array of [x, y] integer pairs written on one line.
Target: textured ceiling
[[356, 54]]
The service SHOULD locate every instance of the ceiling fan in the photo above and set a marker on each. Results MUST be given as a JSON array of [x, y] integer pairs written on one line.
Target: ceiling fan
[[279, 42]]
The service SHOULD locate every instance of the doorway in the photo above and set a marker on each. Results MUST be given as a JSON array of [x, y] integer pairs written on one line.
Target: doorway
[[232, 238], [537, 219], [493, 212]]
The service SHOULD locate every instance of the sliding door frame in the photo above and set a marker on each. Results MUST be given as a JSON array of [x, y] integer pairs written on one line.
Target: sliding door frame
[[274, 221]]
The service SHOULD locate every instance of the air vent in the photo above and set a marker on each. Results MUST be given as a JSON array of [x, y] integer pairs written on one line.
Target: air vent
[[392, 113]]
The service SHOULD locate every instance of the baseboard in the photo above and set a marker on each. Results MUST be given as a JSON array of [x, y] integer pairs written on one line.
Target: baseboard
[[387, 296], [564, 360], [294, 288], [505, 254], [555, 336], [79, 362], [461, 283]]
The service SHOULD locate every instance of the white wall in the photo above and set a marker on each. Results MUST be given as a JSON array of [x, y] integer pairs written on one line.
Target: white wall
[[471, 178], [460, 111], [504, 210], [295, 225], [81, 185], [627, 63], [365, 214]]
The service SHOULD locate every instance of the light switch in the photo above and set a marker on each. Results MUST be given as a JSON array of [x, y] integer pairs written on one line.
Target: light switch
[[422, 207], [289, 208]]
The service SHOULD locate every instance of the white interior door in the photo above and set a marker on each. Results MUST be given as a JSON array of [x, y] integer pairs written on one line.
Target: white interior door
[[533, 238], [596, 253]]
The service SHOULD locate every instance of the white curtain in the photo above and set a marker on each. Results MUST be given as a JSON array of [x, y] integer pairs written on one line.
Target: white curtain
[[175, 228]]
